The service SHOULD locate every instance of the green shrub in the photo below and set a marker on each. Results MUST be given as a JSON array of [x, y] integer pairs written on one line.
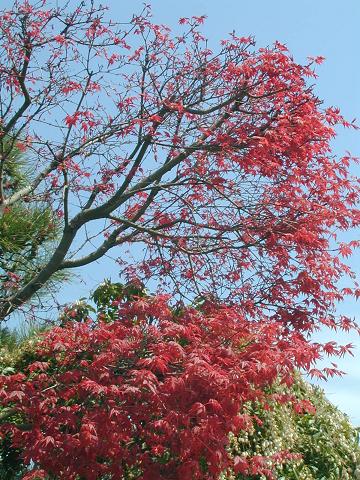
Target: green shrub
[[326, 440]]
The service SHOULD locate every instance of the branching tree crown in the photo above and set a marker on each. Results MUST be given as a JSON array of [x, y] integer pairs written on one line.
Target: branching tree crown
[[217, 162]]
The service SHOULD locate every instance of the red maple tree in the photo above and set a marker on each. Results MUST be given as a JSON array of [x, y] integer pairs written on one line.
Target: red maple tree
[[217, 162], [148, 392]]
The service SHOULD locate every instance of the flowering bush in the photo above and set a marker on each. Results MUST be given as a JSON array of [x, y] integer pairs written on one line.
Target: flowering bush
[[322, 435]]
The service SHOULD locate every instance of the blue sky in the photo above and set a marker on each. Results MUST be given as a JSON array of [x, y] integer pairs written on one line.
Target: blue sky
[[309, 28]]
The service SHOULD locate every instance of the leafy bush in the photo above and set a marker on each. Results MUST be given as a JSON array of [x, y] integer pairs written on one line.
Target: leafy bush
[[146, 391], [143, 390], [320, 433]]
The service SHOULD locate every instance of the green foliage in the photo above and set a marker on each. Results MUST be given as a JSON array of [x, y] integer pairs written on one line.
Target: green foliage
[[327, 442], [24, 228], [106, 298], [11, 467], [17, 349], [15, 173], [108, 293], [28, 230], [26, 237]]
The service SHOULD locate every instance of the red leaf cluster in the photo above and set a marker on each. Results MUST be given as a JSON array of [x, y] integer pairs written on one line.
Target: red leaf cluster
[[155, 391]]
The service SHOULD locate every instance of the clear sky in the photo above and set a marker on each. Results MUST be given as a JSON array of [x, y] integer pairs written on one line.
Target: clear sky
[[308, 27]]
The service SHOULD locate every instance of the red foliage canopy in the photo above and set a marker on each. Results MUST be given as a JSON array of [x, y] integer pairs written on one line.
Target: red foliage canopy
[[217, 162], [153, 392]]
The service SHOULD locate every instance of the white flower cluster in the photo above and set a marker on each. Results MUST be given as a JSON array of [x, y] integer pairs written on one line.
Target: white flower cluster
[[327, 442]]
